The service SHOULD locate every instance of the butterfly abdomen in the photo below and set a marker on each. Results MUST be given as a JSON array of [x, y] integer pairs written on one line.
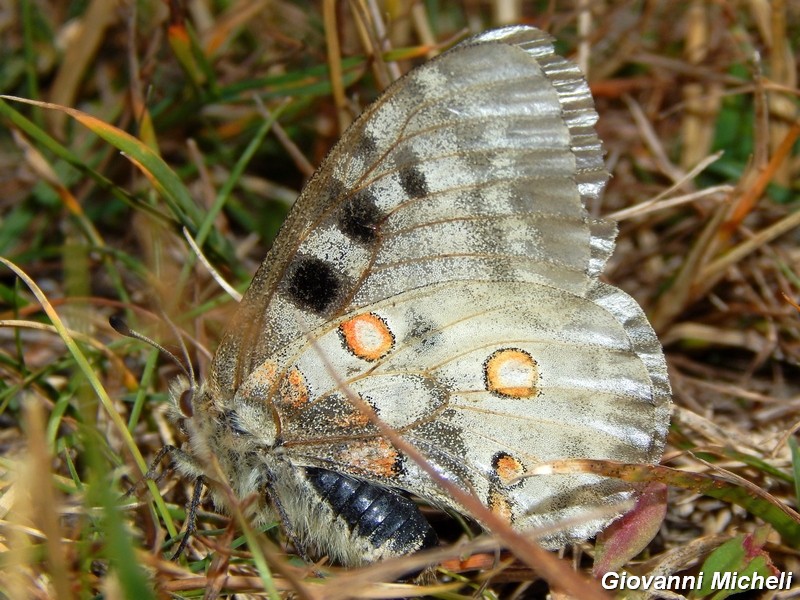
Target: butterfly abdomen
[[380, 522]]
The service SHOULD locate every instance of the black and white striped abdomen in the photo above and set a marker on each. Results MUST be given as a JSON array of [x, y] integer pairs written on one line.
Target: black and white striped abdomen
[[382, 522]]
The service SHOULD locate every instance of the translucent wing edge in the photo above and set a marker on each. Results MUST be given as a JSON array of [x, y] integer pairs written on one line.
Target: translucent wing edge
[[603, 235], [577, 106], [645, 344], [574, 95]]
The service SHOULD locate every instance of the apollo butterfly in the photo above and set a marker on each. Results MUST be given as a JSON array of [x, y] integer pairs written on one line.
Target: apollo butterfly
[[442, 268]]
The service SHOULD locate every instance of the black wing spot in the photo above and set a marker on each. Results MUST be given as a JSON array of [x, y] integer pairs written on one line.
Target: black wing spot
[[314, 284], [365, 146], [335, 189], [360, 217], [412, 180]]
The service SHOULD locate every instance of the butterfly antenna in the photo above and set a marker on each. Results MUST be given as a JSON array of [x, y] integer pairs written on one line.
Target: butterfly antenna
[[184, 350], [121, 327]]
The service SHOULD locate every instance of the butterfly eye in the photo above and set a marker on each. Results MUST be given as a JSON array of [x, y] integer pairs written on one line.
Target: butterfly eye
[[185, 403]]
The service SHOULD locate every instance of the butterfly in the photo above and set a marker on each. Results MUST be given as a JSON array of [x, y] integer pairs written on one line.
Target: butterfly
[[440, 268]]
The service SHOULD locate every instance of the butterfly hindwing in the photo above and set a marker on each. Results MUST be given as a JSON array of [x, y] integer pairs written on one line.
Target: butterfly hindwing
[[503, 370]]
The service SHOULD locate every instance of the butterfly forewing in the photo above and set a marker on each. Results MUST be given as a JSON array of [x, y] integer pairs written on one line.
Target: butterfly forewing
[[464, 169]]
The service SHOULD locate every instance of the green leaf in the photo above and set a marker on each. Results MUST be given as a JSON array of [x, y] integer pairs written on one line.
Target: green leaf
[[744, 555]]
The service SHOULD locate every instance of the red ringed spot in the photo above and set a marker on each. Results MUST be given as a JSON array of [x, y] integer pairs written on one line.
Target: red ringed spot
[[352, 420], [500, 505], [372, 457], [512, 373], [294, 390], [367, 336], [507, 468]]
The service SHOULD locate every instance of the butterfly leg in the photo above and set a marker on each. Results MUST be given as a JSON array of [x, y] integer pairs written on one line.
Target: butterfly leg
[[152, 473], [288, 529], [191, 517], [178, 458]]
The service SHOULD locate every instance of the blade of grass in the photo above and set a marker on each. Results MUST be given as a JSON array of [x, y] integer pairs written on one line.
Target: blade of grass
[[94, 382], [31, 77], [44, 498], [46, 141], [151, 164], [207, 224], [795, 468]]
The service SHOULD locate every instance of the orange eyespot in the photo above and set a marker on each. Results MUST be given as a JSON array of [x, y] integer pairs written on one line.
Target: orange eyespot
[[512, 373], [367, 336], [507, 468], [500, 505]]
